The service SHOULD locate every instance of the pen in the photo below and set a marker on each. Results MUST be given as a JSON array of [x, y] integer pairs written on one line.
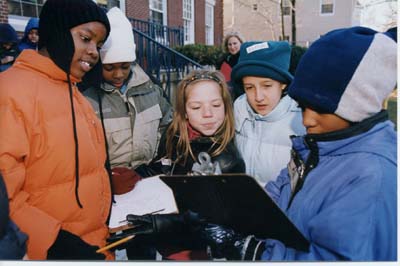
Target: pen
[[116, 243]]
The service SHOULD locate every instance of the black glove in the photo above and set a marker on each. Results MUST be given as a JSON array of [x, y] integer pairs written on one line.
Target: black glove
[[157, 229], [71, 247], [226, 243], [165, 223]]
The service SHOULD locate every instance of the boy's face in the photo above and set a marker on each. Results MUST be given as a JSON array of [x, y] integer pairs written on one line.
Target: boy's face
[[33, 35], [263, 94], [116, 73], [316, 123]]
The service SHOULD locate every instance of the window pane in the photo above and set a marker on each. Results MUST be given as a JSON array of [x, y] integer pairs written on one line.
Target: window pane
[[186, 26], [14, 8], [327, 8], [156, 17], [29, 10], [286, 10], [187, 9], [209, 15], [156, 4]]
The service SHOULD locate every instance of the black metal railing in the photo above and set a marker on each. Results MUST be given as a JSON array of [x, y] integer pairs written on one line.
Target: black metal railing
[[168, 36], [160, 61]]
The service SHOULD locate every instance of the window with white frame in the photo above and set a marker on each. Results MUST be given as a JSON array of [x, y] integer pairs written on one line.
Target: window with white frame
[[286, 7], [188, 21], [25, 8], [157, 11], [327, 7], [210, 22]]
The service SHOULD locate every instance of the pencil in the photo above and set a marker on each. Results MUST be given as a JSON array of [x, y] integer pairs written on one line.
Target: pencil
[[116, 243]]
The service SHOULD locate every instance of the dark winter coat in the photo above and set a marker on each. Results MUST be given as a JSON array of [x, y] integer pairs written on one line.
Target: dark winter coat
[[229, 160], [12, 241], [8, 35]]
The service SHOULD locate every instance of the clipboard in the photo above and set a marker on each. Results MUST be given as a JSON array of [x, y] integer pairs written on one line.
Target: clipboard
[[236, 201]]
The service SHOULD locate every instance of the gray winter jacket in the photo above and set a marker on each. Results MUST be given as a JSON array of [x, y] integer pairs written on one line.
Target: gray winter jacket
[[133, 121]]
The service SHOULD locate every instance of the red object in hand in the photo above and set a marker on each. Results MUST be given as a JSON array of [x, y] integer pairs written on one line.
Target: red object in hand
[[123, 180]]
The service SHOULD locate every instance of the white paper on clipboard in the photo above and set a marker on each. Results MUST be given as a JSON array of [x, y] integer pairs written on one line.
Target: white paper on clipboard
[[149, 195]]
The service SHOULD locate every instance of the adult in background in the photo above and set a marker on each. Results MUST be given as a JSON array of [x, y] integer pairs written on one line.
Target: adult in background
[[30, 39], [231, 47], [52, 149]]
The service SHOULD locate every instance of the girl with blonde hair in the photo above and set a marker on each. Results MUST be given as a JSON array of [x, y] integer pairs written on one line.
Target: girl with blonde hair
[[203, 122]]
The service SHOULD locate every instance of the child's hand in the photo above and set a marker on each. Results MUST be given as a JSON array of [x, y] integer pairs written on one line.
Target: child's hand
[[7, 59]]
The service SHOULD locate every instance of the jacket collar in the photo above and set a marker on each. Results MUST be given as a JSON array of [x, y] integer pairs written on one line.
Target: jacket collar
[[33, 60], [337, 142], [354, 130]]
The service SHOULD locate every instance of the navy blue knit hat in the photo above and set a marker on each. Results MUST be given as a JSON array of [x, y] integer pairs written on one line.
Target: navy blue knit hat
[[348, 72], [7, 33], [263, 59], [57, 18]]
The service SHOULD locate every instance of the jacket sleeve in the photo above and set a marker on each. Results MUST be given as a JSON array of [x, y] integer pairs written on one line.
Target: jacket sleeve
[[12, 243], [167, 112], [355, 222], [41, 228]]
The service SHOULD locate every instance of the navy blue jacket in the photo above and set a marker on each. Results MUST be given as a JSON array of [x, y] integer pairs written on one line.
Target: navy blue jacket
[[12, 241]]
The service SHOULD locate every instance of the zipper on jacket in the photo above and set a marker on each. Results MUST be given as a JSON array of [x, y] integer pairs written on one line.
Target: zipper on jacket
[[305, 167]]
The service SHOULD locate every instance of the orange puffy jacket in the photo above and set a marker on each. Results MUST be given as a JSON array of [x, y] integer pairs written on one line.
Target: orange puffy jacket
[[37, 156]]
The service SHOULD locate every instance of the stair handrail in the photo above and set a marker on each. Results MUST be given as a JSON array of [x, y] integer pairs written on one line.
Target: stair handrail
[[154, 29], [151, 63]]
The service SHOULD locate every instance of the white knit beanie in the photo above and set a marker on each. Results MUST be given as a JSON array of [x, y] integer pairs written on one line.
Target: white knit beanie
[[120, 45]]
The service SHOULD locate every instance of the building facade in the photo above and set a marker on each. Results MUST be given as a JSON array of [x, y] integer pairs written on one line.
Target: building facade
[[202, 20], [263, 19]]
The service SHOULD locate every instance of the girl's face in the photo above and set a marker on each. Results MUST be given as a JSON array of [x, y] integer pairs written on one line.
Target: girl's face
[[33, 35], [263, 94], [88, 39], [205, 109], [233, 45], [116, 73]]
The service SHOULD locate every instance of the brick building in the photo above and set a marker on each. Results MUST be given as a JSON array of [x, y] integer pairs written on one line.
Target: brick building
[[202, 20]]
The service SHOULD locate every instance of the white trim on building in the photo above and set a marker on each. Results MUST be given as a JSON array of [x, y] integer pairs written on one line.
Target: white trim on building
[[209, 21]]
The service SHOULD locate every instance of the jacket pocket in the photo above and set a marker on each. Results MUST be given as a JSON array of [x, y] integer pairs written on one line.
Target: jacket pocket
[[119, 139], [145, 135]]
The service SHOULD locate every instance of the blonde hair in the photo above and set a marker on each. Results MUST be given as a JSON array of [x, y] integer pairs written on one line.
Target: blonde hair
[[179, 125], [228, 36]]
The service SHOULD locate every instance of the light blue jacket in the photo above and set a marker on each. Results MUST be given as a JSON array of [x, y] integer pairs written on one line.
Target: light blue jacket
[[347, 207], [264, 141]]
